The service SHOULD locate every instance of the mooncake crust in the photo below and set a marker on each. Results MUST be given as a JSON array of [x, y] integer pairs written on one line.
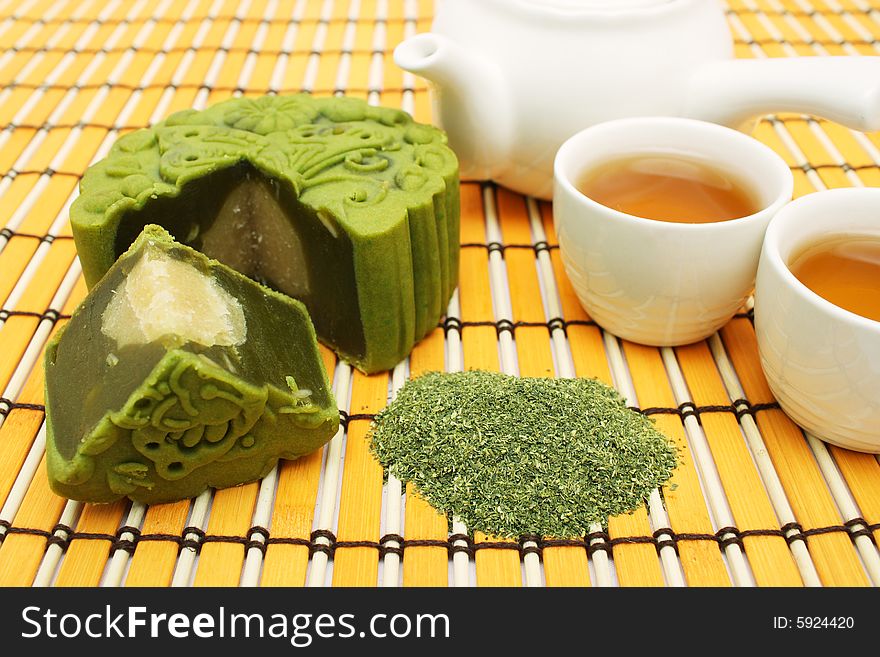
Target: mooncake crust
[[389, 183], [181, 417]]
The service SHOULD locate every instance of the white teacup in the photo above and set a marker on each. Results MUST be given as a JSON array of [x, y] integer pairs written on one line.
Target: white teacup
[[822, 362], [657, 282]]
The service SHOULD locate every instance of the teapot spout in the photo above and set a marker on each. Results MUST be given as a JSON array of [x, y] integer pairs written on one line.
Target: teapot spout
[[469, 101], [842, 89]]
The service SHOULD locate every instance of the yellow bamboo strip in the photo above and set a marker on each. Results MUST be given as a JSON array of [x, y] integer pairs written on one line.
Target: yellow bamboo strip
[[220, 562], [234, 59], [49, 101], [862, 473], [833, 554], [636, 563], [286, 565], [422, 109], [13, 260], [76, 296], [863, 20], [15, 194], [152, 563], [48, 149], [261, 78], [359, 74], [298, 60], [563, 566], [293, 511], [360, 505], [32, 391], [38, 11], [844, 29], [19, 95], [40, 217], [845, 142], [48, 277], [701, 560], [340, 11], [41, 37], [770, 558], [171, 62], [425, 566], [85, 558], [17, 142], [15, 334], [91, 138], [393, 74], [756, 30], [201, 63], [20, 554], [817, 154], [19, 59], [494, 567], [16, 435]]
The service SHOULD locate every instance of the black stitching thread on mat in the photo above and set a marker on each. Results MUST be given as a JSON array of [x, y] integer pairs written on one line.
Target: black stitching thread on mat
[[346, 418], [126, 544], [749, 315], [498, 247], [770, 41], [502, 325], [252, 542], [7, 406], [47, 86], [738, 408], [271, 52], [326, 541], [198, 18], [809, 13], [51, 315], [12, 174], [845, 166], [199, 86]]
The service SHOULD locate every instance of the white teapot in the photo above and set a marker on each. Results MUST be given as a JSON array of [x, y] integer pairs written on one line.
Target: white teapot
[[514, 78]]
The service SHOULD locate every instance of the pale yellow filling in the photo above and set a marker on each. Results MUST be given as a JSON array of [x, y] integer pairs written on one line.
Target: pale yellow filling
[[163, 296]]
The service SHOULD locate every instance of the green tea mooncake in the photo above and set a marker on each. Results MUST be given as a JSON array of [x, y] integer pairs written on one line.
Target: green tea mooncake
[[350, 208], [177, 373]]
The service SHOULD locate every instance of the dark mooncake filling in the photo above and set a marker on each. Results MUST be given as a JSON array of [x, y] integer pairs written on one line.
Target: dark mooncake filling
[[177, 373], [351, 208], [256, 226]]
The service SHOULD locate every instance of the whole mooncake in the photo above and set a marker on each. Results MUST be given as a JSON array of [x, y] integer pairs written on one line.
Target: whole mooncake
[[177, 373], [350, 208]]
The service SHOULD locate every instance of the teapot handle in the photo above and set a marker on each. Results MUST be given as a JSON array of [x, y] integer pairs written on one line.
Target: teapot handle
[[842, 89]]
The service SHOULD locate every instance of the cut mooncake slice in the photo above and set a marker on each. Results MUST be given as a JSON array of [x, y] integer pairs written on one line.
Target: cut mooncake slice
[[177, 373], [350, 208]]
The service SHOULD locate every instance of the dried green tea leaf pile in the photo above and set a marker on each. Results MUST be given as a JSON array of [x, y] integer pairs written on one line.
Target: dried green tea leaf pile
[[511, 456]]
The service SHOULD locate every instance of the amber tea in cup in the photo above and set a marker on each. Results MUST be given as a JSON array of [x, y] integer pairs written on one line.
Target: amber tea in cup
[[664, 283], [669, 187], [845, 270], [820, 355]]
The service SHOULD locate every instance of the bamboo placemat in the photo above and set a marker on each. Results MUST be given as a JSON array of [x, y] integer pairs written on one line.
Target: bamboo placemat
[[753, 502]]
